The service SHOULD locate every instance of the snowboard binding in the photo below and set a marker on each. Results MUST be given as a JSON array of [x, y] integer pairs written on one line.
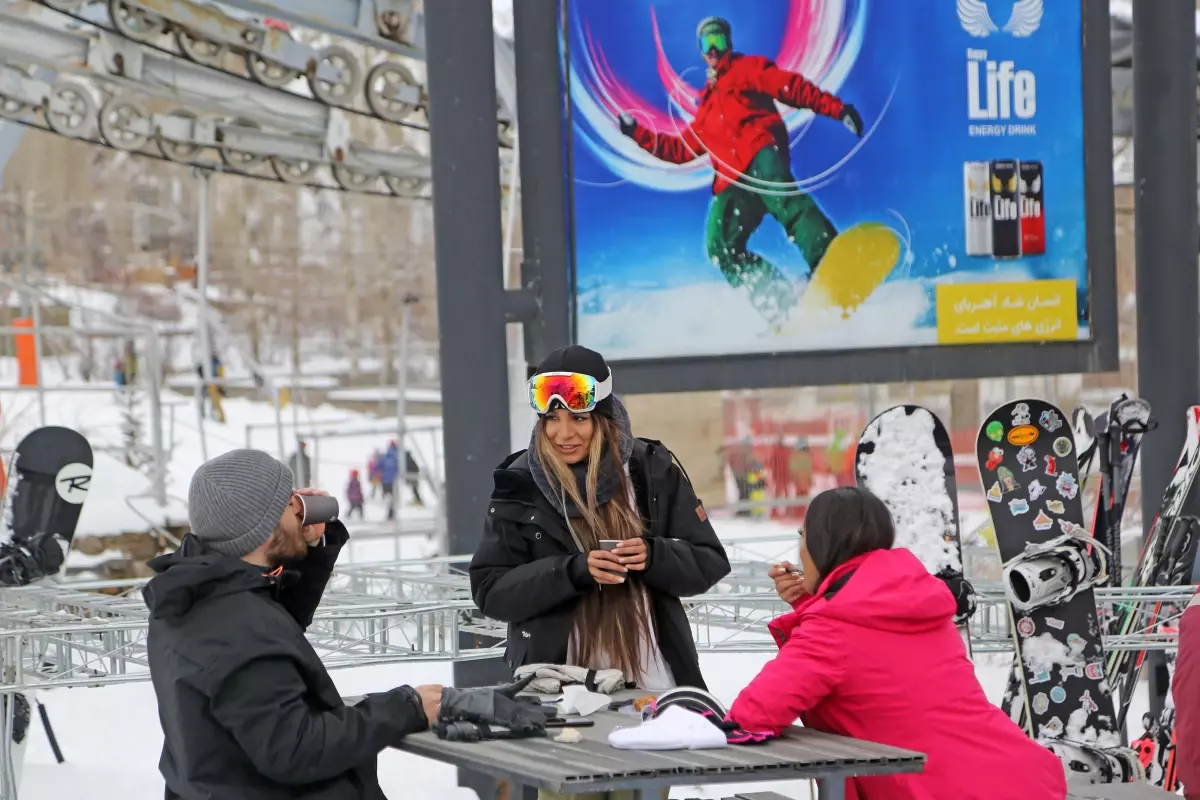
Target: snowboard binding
[[23, 562], [964, 596], [1055, 571], [1098, 764]]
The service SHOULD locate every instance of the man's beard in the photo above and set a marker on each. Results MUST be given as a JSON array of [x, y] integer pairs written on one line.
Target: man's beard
[[285, 547]]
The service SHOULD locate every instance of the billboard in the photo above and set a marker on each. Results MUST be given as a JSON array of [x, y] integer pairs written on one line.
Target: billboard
[[801, 176]]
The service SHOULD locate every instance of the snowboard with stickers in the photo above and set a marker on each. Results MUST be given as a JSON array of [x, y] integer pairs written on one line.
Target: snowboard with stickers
[[1116, 435], [904, 457], [1029, 467], [50, 477]]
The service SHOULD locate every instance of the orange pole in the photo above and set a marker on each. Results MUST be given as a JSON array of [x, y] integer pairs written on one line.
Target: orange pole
[[26, 354]]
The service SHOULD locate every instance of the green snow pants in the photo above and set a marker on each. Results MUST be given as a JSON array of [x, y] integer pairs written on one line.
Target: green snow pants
[[735, 215]]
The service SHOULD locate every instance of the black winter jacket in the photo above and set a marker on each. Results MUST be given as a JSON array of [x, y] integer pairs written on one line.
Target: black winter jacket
[[528, 572], [247, 708]]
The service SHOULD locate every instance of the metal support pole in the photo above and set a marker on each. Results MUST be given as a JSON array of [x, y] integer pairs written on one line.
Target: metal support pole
[[544, 200], [1168, 287], [202, 178], [153, 378], [520, 416], [37, 359], [401, 412], [470, 285]]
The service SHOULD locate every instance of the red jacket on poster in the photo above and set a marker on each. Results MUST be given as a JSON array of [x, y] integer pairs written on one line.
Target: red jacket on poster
[[737, 117], [1185, 690], [882, 660]]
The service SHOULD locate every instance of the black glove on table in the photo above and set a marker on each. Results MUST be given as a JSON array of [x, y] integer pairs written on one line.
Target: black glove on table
[[496, 705]]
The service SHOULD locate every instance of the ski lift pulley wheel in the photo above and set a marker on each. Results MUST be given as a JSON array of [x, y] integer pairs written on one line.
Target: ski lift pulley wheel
[[335, 92], [382, 80], [132, 22], [117, 118], [181, 152], [200, 50], [292, 170], [76, 122], [269, 73]]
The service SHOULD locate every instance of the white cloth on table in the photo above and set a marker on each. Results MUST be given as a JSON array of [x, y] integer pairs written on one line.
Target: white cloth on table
[[675, 728]]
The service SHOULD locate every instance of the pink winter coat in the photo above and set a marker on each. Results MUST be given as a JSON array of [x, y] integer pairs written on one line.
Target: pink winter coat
[[881, 660]]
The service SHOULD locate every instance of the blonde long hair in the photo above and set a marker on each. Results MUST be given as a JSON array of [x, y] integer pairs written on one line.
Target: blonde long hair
[[610, 623]]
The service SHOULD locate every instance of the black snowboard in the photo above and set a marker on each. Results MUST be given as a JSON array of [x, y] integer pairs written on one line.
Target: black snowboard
[[51, 475], [905, 458], [1029, 467]]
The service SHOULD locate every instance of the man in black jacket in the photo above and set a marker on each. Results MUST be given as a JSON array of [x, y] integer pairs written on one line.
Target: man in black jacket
[[247, 708]]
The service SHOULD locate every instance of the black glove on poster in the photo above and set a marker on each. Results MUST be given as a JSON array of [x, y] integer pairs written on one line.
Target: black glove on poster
[[496, 705]]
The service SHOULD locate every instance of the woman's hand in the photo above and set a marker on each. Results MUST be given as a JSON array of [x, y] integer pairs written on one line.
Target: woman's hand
[[603, 565], [789, 584], [632, 553]]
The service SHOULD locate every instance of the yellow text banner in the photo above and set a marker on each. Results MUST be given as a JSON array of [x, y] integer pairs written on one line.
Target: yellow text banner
[[991, 313]]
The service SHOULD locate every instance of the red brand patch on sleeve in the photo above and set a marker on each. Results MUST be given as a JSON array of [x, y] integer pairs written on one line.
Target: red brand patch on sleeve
[[700, 512]]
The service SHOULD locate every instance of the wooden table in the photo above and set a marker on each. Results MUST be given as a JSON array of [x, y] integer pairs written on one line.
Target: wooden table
[[593, 766], [1115, 791]]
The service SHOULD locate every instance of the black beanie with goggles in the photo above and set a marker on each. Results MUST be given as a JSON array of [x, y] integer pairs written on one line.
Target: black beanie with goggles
[[579, 359]]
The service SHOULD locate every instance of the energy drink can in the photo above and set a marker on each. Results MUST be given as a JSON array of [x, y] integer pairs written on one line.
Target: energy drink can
[[1006, 213], [1033, 214], [978, 202]]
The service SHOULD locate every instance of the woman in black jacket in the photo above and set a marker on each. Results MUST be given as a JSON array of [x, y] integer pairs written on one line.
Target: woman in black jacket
[[547, 564]]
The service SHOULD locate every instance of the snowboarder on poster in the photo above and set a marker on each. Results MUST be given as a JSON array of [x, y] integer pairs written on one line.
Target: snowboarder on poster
[[739, 126]]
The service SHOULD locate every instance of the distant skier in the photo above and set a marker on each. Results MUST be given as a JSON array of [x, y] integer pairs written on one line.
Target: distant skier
[[354, 495], [375, 472], [739, 127], [301, 465], [412, 477], [389, 471]]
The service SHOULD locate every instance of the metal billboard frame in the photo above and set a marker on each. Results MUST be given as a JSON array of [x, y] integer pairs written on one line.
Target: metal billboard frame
[[548, 269]]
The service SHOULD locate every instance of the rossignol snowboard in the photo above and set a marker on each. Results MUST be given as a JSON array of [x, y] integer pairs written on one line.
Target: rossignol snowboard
[[1029, 466], [51, 474], [904, 457]]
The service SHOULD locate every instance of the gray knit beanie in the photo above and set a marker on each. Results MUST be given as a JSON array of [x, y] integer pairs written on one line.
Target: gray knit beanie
[[236, 499]]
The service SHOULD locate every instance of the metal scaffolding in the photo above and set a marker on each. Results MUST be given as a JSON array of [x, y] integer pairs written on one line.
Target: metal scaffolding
[[102, 72]]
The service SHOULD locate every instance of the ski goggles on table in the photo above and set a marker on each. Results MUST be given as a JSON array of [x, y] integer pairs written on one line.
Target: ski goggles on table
[[575, 392], [714, 40]]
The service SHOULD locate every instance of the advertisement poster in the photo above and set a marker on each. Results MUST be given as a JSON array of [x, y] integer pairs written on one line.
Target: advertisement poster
[[807, 175]]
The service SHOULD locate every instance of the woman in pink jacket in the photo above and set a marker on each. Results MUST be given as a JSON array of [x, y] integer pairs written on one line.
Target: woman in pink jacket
[[871, 652]]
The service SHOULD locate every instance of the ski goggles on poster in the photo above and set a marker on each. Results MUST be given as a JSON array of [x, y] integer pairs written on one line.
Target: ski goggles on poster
[[714, 40], [577, 393]]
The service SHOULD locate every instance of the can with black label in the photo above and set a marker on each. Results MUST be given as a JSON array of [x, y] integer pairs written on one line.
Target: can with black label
[[1006, 212]]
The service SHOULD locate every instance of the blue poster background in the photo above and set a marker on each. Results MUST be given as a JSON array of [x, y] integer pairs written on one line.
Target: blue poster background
[[645, 286]]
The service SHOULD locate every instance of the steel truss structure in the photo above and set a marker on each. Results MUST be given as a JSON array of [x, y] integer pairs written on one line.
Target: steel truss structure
[[153, 77], [93, 633]]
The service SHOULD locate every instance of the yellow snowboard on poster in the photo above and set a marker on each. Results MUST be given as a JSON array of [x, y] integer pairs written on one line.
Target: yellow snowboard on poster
[[857, 261]]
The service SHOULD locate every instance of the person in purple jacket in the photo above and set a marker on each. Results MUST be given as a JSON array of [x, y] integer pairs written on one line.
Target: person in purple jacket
[[354, 495]]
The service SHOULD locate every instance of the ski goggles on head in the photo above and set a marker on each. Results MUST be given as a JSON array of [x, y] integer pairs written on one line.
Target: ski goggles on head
[[713, 39], [575, 392]]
